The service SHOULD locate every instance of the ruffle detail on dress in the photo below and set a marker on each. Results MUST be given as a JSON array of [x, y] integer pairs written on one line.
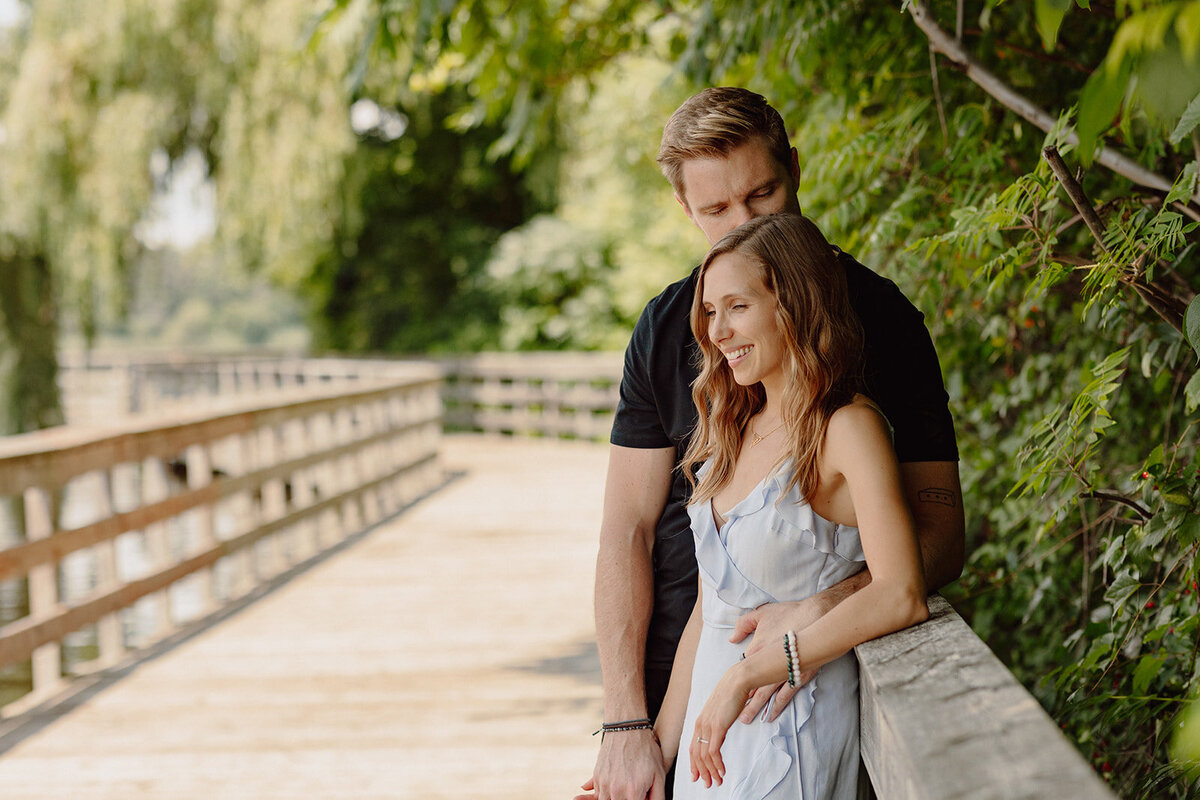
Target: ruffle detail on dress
[[773, 762], [818, 532], [770, 766], [717, 568]]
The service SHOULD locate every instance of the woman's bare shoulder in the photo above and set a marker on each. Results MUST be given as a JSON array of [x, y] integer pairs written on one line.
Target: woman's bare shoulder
[[860, 412], [857, 430]]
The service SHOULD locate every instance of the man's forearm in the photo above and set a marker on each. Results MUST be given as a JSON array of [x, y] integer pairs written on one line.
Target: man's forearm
[[624, 598], [835, 594], [935, 497]]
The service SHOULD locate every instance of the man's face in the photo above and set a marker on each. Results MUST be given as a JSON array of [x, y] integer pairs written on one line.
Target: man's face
[[724, 192]]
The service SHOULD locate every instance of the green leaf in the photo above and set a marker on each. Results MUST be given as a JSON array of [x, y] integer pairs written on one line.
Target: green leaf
[[1155, 457], [1156, 634], [1191, 323], [1192, 392], [1147, 670], [1101, 648], [1049, 14], [1185, 747], [1189, 529], [1187, 122], [1185, 186], [1099, 103], [1124, 585], [1177, 499]]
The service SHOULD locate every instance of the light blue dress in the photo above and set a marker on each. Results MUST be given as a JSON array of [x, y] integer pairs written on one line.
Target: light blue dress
[[773, 549]]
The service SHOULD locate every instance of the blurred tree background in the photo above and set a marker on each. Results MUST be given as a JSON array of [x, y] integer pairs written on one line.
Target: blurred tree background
[[418, 176]]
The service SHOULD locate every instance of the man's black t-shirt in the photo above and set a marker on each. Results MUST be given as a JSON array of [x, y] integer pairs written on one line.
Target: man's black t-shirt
[[655, 410]]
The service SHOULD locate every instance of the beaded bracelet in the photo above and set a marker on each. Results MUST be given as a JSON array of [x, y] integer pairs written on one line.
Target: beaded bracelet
[[793, 657], [796, 656], [643, 724]]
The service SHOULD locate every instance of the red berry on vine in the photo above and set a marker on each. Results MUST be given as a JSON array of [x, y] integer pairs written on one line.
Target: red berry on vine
[[1149, 604], [1145, 474]]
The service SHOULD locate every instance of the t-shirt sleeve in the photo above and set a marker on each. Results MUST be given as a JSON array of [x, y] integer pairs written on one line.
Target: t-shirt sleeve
[[638, 422], [909, 388]]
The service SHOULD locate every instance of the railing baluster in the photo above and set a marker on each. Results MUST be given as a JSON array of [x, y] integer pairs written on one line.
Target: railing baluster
[[43, 592]]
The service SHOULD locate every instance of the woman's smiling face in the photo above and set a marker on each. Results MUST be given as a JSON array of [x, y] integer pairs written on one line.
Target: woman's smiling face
[[742, 322]]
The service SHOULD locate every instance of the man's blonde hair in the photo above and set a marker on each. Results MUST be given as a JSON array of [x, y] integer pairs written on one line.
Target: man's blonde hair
[[715, 121]]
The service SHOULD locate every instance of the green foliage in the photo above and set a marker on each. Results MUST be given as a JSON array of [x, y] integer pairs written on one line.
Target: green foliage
[[1186, 745], [1191, 321], [518, 58], [419, 216], [554, 281], [1154, 62], [579, 278], [94, 94], [1049, 14]]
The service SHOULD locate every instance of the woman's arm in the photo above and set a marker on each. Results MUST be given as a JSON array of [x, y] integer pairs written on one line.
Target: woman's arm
[[669, 724], [857, 447]]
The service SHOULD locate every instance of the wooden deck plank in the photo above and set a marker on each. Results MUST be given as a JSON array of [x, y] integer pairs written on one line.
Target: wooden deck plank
[[447, 654]]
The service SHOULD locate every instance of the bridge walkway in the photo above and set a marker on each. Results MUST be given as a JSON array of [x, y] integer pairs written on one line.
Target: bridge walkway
[[445, 653]]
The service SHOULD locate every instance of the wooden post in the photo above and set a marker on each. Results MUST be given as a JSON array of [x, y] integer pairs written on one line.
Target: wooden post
[[110, 639], [43, 592], [154, 489], [245, 569], [273, 505], [199, 475]]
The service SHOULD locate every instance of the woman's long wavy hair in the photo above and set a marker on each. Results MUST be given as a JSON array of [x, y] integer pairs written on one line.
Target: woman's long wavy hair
[[823, 346]]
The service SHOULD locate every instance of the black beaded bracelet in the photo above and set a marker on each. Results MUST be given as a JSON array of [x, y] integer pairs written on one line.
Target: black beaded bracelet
[[611, 726], [789, 649], [643, 724]]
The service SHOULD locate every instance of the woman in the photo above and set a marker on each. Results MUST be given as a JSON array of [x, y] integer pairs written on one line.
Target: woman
[[799, 489]]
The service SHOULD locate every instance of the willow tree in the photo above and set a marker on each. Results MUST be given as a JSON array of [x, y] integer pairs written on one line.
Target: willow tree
[[100, 102], [1028, 174]]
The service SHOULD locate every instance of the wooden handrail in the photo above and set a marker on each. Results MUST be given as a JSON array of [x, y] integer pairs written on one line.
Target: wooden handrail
[[943, 718], [347, 455], [570, 395]]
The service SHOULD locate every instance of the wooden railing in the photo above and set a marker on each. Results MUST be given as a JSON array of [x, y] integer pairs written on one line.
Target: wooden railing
[[942, 718], [565, 395], [223, 499], [97, 386]]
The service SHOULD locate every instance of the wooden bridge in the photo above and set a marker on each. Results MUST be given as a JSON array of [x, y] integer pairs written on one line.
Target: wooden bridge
[[300, 588]]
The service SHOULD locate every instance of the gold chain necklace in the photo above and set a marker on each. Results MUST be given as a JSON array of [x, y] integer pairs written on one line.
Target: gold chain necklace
[[759, 437]]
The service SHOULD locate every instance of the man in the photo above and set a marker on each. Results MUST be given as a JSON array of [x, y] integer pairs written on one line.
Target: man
[[727, 156]]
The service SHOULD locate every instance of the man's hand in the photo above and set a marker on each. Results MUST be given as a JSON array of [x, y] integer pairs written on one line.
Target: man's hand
[[771, 621], [768, 623], [629, 767]]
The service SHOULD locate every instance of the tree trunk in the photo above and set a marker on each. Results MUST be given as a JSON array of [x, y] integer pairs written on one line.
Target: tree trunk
[[29, 314]]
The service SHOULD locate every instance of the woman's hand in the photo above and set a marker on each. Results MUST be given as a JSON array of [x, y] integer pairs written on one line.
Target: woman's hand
[[719, 712]]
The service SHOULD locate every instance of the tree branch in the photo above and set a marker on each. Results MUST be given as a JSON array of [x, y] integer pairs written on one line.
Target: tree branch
[[937, 95], [943, 42], [1119, 498], [1165, 304]]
